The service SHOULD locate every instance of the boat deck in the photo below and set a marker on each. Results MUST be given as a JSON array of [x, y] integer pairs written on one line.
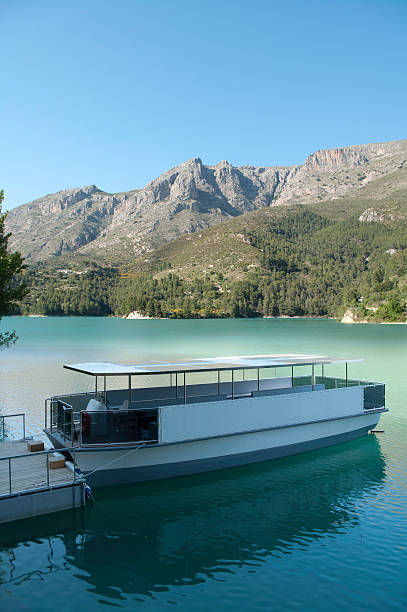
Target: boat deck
[[28, 471]]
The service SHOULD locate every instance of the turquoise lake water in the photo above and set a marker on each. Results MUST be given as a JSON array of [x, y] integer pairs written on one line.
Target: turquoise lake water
[[325, 530]]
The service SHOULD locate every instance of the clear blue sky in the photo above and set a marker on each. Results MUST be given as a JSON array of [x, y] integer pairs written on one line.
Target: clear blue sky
[[115, 92]]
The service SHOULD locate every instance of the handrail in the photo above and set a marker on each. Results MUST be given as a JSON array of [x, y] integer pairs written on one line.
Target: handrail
[[9, 416], [64, 416], [49, 485], [48, 451]]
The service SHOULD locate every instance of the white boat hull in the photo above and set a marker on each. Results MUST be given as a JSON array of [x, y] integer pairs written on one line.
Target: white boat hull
[[120, 465]]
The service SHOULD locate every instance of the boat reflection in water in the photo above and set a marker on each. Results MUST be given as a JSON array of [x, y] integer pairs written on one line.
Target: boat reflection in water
[[140, 540]]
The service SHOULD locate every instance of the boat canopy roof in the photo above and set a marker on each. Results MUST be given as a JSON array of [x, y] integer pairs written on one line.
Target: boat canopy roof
[[205, 364]]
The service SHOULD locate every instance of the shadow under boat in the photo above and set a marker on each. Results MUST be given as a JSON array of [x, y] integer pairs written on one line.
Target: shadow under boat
[[138, 540]]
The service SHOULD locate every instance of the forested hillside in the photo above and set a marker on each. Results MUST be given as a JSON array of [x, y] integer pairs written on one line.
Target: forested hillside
[[302, 263]]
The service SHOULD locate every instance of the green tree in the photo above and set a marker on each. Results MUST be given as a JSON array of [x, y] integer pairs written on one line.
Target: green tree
[[11, 288]]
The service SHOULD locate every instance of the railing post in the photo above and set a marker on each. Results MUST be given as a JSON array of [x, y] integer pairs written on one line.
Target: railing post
[[9, 473], [4, 429], [74, 464], [312, 377], [233, 385], [292, 376], [258, 379], [23, 426], [45, 415], [47, 469], [185, 389], [176, 385], [346, 374], [218, 382]]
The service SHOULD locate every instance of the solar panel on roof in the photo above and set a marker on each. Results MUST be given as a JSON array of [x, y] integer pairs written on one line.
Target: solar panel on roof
[[204, 364]]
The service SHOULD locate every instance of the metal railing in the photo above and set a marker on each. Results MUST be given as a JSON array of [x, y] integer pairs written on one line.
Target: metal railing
[[103, 426], [124, 426], [3, 418], [374, 396], [25, 474], [77, 401]]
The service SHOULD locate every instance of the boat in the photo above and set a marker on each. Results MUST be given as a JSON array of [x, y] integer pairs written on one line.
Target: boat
[[206, 414]]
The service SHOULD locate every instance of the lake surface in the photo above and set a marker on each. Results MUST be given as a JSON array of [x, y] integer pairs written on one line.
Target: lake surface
[[325, 530]]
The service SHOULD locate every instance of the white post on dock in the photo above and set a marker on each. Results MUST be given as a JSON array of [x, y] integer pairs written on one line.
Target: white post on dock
[[9, 475]]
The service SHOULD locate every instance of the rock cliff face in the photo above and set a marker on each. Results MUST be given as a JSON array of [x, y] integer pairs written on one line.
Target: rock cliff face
[[191, 197]]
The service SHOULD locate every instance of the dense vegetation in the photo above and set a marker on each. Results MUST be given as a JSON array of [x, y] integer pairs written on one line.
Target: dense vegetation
[[12, 287], [315, 266], [308, 265]]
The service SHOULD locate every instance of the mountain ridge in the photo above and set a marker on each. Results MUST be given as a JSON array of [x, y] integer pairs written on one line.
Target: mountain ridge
[[193, 196]]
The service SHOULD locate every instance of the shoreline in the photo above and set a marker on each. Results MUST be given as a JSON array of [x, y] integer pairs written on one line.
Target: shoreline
[[146, 317]]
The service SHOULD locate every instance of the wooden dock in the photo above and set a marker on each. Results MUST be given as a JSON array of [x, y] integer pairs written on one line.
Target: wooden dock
[[29, 487]]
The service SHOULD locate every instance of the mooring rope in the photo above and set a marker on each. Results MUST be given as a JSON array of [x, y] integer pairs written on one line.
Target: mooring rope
[[102, 467]]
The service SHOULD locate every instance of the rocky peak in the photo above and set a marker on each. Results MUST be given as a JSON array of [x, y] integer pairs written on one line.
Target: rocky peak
[[335, 158], [223, 164], [194, 162]]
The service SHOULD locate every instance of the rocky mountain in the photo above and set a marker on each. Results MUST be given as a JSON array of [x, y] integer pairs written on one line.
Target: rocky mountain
[[193, 196]]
